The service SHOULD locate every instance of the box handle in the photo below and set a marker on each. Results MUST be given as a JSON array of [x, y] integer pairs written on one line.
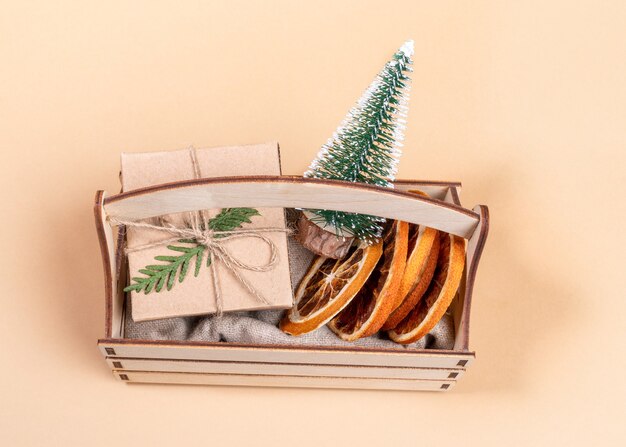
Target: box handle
[[291, 192]]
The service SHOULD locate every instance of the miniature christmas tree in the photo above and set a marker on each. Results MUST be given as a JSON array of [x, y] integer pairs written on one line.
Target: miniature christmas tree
[[365, 148]]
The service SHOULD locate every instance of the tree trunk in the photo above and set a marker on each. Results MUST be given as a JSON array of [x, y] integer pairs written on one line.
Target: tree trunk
[[320, 241]]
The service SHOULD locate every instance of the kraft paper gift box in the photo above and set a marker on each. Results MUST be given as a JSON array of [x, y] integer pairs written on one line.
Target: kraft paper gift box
[[196, 295]]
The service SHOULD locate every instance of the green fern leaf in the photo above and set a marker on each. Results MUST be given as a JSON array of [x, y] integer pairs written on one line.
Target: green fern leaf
[[149, 285], [161, 282], [230, 218], [199, 262], [158, 276], [183, 271]]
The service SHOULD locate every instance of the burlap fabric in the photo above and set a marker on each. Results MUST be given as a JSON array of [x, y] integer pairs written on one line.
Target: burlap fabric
[[260, 327]]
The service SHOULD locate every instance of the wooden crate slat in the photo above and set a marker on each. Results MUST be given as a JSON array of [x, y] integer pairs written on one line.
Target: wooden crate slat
[[283, 381], [324, 356], [283, 369]]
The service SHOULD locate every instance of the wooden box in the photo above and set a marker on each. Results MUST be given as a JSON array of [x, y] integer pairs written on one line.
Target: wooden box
[[136, 361]]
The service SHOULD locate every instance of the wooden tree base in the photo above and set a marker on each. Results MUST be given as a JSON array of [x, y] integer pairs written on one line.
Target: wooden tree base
[[320, 241]]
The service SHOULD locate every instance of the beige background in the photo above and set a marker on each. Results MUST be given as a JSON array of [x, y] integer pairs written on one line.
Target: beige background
[[524, 102]]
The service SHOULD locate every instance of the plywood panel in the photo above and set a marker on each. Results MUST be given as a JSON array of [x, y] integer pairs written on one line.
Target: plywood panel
[[320, 356], [192, 366], [283, 381]]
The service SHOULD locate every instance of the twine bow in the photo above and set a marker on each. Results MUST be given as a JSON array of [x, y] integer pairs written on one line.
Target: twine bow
[[214, 241]]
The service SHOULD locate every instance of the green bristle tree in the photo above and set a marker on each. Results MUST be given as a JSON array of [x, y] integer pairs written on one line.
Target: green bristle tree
[[366, 146]]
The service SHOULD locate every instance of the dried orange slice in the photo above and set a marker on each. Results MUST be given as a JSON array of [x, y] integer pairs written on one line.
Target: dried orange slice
[[422, 257], [443, 287], [370, 308], [328, 286]]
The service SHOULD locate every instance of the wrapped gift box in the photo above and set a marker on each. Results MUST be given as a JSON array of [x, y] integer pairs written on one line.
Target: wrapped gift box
[[196, 295]]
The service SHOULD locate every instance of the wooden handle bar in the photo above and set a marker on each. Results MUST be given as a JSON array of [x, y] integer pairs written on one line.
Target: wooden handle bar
[[291, 192]]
